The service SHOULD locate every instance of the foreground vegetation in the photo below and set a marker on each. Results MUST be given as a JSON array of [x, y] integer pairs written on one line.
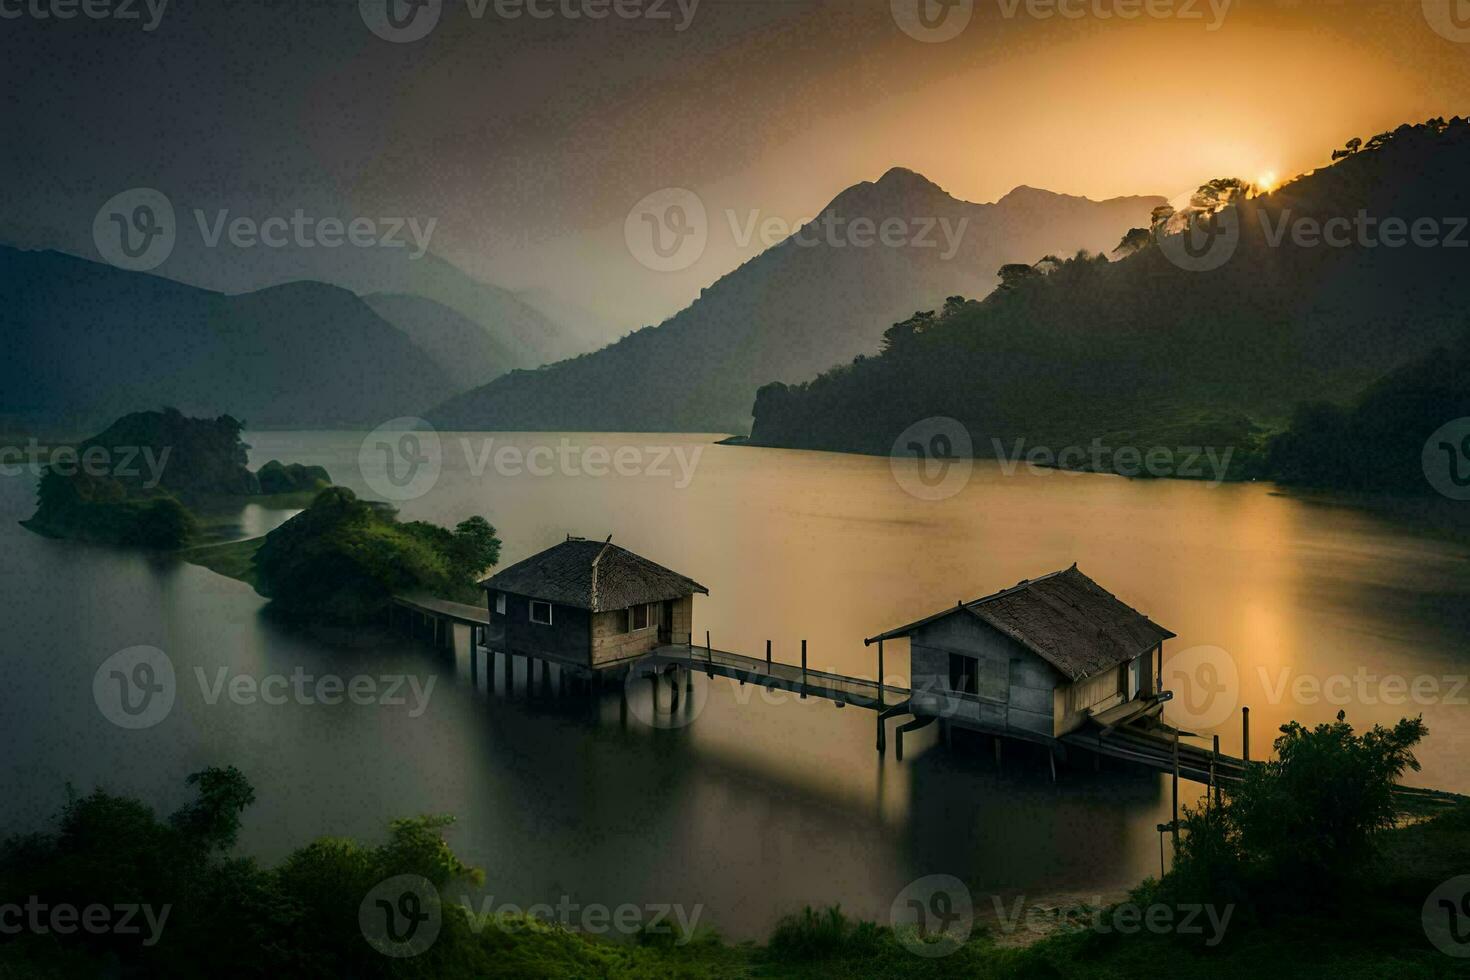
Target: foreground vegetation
[[1318, 883]]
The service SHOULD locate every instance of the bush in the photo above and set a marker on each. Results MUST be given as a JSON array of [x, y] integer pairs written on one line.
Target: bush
[[342, 559]]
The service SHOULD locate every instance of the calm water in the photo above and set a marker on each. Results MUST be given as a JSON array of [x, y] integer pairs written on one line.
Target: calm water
[[754, 808]]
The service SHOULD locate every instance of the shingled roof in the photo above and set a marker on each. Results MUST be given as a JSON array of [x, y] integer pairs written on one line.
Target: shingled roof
[[1065, 618], [595, 575]]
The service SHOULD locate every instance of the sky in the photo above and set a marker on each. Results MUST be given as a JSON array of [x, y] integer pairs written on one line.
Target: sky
[[528, 140]]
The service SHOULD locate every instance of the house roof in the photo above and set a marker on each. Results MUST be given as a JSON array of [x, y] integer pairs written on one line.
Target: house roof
[[594, 575], [1065, 618]]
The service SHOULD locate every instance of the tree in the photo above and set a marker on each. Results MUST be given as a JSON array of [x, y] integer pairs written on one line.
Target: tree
[[213, 820], [1302, 822], [1135, 240], [475, 545], [1016, 273]]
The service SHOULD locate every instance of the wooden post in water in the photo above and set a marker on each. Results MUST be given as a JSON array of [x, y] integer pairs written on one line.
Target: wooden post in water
[[709, 654], [1214, 770], [768, 656], [880, 675], [803, 670], [1245, 735], [1176, 791]]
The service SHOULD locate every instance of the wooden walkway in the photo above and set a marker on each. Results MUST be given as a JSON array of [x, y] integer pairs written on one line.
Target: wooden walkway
[[1154, 749], [864, 692], [456, 611]]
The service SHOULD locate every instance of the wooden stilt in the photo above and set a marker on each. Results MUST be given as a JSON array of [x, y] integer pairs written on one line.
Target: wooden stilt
[[1214, 764], [880, 675], [1176, 791], [1051, 757], [768, 656], [803, 670], [1245, 735]]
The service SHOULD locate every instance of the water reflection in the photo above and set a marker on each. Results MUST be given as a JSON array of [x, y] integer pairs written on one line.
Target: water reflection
[[759, 805]]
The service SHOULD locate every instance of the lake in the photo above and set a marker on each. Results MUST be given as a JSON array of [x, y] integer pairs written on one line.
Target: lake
[[759, 804]]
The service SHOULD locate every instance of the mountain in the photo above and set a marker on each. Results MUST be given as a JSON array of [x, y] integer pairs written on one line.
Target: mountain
[[816, 299], [526, 333], [1173, 349], [86, 342], [463, 349]]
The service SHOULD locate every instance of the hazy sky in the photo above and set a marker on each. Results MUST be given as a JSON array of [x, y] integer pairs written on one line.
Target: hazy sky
[[529, 140]]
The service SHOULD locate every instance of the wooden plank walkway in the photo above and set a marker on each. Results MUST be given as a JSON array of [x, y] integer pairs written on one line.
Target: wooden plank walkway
[[444, 609], [1155, 750], [863, 692]]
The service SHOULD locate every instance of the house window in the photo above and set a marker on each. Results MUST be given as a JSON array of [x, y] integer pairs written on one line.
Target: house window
[[639, 618], [540, 612], [500, 603], [964, 674]]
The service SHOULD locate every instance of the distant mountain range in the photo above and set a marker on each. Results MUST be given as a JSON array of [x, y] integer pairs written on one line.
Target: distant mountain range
[[878, 252], [1334, 280], [86, 342]]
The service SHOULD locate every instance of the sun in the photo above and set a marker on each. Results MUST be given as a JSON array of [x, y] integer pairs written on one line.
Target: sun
[[1267, 182]]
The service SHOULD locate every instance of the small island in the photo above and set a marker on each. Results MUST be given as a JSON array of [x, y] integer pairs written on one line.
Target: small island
[[162, 481]]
